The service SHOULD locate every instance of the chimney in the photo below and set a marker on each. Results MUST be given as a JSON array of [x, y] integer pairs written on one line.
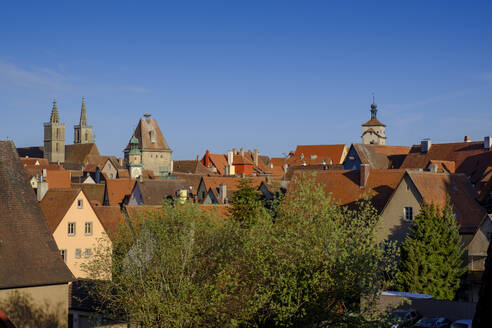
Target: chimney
[[206, 159], [234, 151], [364, 174], [197, 158], [42, 190], [241, 151], [487, 142], [223, 193], [467, 139], [255, 156], [433, 168], [425, 145], [44, 173], [230, 156]]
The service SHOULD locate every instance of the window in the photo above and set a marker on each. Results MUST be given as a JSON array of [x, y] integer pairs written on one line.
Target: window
[[313, 157], [87, 252], [63, 253], [109, 165], [111, 175], [86, 136], [78, 253], [56, 146], [80, 203], [88, 228], [71, 228], [408, 212]]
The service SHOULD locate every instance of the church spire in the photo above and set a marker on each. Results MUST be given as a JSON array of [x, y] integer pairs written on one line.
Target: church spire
[[374, 110], [54, 118], [83, 114]]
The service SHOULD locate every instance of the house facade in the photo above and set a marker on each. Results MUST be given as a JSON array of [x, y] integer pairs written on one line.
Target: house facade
[[75, 226]]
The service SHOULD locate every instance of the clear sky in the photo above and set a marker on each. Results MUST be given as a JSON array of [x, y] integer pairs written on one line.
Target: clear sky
[[258, 74]]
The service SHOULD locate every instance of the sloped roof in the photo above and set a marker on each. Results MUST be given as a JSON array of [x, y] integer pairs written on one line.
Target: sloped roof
[[436, 187], [110, 217], [28, 251], [55, 205], [123, 174], [317, 154], [381, 156], [142, 132], [470, 157], [36, 151], [373, 122], [444, 166], [241, 160], [117, 189], [344, 185], [154, 192], [193, 167], [78, 153], [100, 161], [192, 180], [93, 191], [292, 170], [26, 161], [58, 179], [219, 161], [232, 183]]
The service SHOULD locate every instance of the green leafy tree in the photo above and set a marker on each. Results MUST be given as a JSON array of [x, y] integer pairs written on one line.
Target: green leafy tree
[[245, 203], [186, 267], [432, 254]]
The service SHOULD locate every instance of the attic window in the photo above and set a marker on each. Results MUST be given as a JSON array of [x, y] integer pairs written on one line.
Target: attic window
[[408, 213], [80, 203], [152, 136]]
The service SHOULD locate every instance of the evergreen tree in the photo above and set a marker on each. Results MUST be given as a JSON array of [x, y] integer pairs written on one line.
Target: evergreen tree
[[432, 254]]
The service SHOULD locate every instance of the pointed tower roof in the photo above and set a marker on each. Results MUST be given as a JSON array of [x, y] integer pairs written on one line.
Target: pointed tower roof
[[83, 114], [54, 118], [145, 128]]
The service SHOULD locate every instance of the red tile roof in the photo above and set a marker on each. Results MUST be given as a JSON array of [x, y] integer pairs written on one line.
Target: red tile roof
[[373, 122], [117, 189], [110, 217], [58, 179], [381, 156], [56, 204], [344, 185], [437, 187], [317, 154], [470, 157], [142, 132]]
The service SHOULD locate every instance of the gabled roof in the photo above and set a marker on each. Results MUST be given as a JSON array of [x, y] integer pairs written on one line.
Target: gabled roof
[[443, 166], [28, 251], [373, 122], [36, 151], [93, 191], [100, 161], [58, 179], [192, 180], [219, 161], [317, 154], [344, 185], [110, 217], [437, 187], [55, 205], [123, 174], [470, 157], [142, 132], [193, 167], [78, 153], [117, 189], [293, 170], [232, 183], [154, 192], [381, 156], [27, 161]]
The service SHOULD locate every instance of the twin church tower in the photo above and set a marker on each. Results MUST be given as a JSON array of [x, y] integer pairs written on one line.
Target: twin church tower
[[54, 134]]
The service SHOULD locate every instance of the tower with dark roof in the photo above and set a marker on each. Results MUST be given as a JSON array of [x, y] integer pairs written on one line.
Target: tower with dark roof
[[373, 131], [83, 132], [54, 137]]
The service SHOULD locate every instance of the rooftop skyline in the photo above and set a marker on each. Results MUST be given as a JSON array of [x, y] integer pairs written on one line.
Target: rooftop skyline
[[270, 76]]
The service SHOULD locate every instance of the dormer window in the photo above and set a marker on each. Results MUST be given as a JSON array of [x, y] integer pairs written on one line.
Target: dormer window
[[152, 136]]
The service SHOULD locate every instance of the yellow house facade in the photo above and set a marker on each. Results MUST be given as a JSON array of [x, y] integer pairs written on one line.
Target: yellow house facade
[[76, 228]]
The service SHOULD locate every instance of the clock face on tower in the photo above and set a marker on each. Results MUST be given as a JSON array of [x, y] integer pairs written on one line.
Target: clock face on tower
[[135, 172]]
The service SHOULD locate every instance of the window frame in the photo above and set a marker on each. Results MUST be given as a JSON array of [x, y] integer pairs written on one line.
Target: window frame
[[74, 230], [87, 253], [63, 253], [406, 210], [78, 253], [91, 225], [80, 203]]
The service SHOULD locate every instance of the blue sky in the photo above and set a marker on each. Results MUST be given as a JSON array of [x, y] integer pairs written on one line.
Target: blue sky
[[258, 74]]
